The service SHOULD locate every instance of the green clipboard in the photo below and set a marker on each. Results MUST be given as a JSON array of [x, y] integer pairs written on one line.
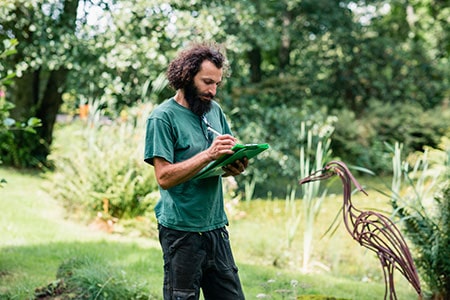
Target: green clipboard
[[240, 151]]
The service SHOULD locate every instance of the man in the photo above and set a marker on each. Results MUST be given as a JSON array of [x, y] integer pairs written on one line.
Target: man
[[191, 217]]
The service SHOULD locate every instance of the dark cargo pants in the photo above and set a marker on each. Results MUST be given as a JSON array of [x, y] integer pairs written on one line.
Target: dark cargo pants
[[194, 261]]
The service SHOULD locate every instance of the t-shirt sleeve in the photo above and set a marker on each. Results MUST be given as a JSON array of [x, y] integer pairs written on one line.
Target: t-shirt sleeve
[[158, 140]]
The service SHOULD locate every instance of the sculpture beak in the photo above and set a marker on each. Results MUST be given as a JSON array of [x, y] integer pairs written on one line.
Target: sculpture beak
[[320, 174]]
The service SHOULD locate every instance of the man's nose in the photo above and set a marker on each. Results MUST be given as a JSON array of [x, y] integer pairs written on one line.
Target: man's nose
[[212, 89]]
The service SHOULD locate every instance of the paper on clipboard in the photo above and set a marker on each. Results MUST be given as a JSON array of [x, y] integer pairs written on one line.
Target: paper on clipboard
[[241, 151]]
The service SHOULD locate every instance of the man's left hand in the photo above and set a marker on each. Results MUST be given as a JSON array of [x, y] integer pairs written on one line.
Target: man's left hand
[[236, 168]]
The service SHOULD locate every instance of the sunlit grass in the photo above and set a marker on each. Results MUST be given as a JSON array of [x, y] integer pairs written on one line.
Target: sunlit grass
[[37, 237], [261, 237]]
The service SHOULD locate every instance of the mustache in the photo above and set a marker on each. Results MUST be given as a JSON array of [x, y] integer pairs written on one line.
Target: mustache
[[206, 95]]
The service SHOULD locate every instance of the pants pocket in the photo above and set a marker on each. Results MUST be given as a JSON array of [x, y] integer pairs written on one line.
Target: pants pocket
[[225, 260], [184, 295]]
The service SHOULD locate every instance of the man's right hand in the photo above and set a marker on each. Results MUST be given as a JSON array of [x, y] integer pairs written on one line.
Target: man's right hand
[[221, 145]]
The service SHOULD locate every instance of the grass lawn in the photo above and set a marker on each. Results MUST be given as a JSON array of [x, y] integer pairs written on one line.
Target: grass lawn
[[36, 237]]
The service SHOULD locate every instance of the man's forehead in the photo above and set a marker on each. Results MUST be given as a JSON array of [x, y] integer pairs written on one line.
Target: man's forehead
[[209, 71]]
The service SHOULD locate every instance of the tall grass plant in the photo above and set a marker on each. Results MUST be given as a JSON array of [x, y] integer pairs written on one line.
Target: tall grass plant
[[101, 171], [313, 153]]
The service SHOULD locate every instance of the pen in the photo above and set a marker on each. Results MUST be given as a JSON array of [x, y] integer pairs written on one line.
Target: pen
[[213, 131]]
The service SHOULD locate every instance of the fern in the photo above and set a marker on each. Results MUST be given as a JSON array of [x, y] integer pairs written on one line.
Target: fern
[[424, 210]]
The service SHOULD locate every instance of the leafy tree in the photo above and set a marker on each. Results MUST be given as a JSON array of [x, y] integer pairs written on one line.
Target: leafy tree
[[345, 56], [61, 55], [305, 54], [46, 34], [364, 141]]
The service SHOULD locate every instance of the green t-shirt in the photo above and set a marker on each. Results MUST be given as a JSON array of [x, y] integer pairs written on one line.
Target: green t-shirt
[[175, 133]]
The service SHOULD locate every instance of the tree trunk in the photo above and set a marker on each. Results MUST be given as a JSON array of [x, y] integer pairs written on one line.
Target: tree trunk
[[255, 59], [50, 104], [25, 95], [285, 47]]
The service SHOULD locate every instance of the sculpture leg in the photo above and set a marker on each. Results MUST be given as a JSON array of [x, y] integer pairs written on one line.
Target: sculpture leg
[[388, 273]]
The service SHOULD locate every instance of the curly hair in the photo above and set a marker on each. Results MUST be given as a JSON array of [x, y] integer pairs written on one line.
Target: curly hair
[[183, 69]]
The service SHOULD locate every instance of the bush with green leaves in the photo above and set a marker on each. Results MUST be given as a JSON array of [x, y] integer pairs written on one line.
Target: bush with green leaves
[[99, 168]]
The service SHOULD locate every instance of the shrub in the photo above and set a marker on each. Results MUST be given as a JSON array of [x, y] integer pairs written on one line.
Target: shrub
[[90, 278], [100, 168], [21, 148]]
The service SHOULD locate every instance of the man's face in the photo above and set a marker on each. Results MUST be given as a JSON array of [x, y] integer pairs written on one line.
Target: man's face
[[199, 92]]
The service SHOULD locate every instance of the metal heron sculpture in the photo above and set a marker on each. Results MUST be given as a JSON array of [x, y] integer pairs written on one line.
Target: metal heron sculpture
[[373, 231]]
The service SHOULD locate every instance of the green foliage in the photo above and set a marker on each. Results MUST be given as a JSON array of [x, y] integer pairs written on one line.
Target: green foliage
[[102, 169], [270, 111], [21, 148], [303, 55], [352, 62], [48, 49], [19, 144], [7, 49], [265, 114], [10, 152], [91, 278], [383, 69], [425, 213], [361, 141]]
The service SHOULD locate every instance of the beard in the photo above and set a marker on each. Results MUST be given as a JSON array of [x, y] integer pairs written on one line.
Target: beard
[[194, 98]]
